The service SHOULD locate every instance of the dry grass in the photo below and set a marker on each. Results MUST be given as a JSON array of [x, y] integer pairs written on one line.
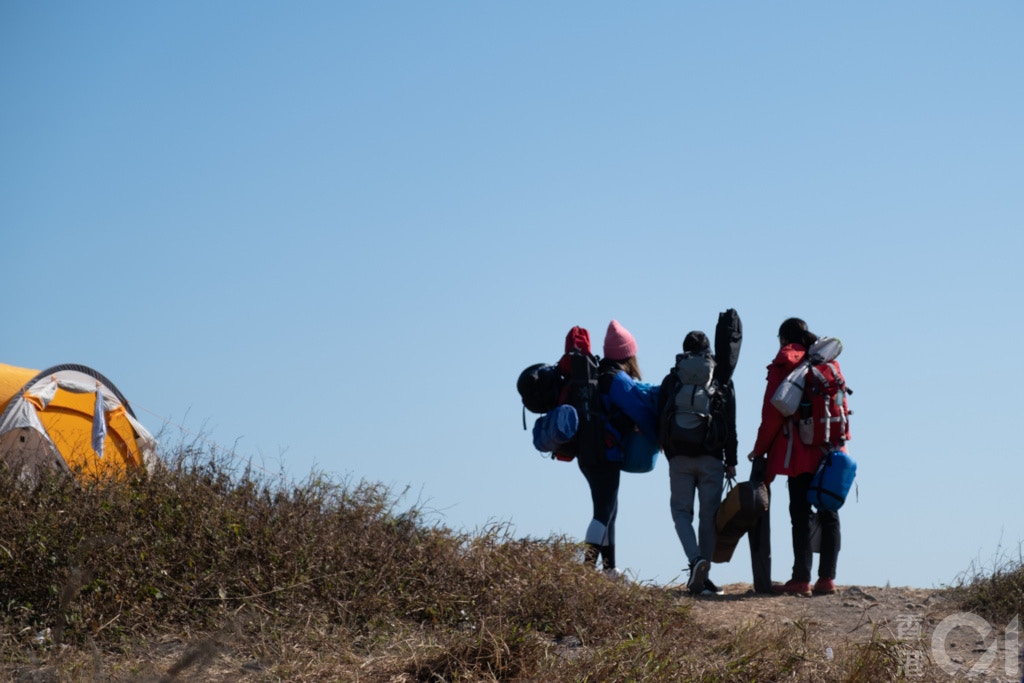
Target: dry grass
[[996, 594], [206, 572]]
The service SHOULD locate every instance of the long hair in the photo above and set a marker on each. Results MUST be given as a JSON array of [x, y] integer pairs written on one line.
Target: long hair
[[628, 365], [794, 331]]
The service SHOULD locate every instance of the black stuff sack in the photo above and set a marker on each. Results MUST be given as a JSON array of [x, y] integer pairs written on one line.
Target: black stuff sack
[[540, 386]]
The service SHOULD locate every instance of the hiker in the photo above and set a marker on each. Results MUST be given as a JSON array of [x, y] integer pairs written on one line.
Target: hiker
[[786, 454], [627, 405], [698, 462]]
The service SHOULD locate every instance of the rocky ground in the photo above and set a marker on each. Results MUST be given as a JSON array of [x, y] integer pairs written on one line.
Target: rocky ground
[[940, 642]]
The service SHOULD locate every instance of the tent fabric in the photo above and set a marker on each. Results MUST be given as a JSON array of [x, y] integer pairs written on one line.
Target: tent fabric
[[70, 417], [99, 423]]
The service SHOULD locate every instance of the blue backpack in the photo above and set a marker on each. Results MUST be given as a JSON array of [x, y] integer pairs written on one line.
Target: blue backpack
[[832, 481]]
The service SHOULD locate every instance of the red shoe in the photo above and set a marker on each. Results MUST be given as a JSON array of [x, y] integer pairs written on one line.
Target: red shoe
[[824, 587], [793, 587]]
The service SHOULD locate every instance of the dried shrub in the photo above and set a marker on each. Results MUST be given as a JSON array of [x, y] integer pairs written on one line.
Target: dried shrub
[[996, 594]]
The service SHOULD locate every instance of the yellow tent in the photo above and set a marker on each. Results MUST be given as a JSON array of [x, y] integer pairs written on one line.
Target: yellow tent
[[70, 417]]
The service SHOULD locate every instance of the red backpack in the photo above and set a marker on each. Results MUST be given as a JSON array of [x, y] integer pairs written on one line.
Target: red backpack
[[823, 418]]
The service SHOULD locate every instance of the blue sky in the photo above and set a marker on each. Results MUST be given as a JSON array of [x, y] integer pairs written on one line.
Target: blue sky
[[330, 235]]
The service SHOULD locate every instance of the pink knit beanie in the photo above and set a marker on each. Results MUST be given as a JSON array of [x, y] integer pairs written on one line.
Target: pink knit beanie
[[618, 342]]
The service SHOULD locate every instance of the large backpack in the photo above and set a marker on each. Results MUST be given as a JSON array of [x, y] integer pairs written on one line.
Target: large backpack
[[692, 420], [582, 392], [823, 418]]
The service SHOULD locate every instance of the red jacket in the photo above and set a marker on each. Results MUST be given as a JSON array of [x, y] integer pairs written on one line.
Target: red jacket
[[776, 436]]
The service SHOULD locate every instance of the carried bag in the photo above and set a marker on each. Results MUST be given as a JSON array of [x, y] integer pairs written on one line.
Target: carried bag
[[833, 481], [728, 339], [744, 504], [640, 453], [815, 533], [815, 523]]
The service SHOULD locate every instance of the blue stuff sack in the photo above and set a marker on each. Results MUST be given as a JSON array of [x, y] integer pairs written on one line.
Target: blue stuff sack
[[640, 453], [555, 428], [832, 482]]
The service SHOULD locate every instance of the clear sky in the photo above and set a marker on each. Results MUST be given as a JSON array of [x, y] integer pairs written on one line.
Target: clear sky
[[329, 235]]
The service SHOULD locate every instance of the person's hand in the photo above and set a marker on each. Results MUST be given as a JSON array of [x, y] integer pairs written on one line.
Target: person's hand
[[751, 456], [730, 472]]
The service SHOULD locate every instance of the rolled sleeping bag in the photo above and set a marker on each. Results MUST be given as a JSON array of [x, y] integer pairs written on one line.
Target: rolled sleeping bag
[[554, 428]]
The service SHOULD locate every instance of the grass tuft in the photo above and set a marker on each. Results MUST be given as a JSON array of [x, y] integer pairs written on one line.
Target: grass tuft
[[996, 594]]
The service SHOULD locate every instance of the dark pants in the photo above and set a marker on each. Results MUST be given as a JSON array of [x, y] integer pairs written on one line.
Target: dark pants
[[800, 516], [603, 478]]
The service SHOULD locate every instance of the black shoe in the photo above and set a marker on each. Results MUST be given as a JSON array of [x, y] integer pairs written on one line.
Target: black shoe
[[698, 575], [711, 589]]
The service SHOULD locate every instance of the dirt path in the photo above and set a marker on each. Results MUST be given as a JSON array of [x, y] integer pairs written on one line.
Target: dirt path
[[939, 639]]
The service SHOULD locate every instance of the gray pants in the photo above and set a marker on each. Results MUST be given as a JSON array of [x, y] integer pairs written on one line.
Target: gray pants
[[703, 476]]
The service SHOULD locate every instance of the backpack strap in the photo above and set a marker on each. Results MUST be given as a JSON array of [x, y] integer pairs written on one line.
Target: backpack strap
[[789, 429], [820, 376]]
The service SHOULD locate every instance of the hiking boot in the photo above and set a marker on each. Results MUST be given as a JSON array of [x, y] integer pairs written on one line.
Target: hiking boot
[[793, 587], [824, 587], [711, 589], [698, 575]]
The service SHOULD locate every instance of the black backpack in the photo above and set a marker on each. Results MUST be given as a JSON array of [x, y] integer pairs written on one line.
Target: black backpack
[[543, 387], [582, 392]]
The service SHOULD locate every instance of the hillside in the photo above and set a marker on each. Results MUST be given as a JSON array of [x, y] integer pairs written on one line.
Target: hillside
[[872, 623], [205, 573]]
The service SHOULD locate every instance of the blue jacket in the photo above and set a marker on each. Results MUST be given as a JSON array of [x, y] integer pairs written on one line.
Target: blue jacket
[[638, 401]]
